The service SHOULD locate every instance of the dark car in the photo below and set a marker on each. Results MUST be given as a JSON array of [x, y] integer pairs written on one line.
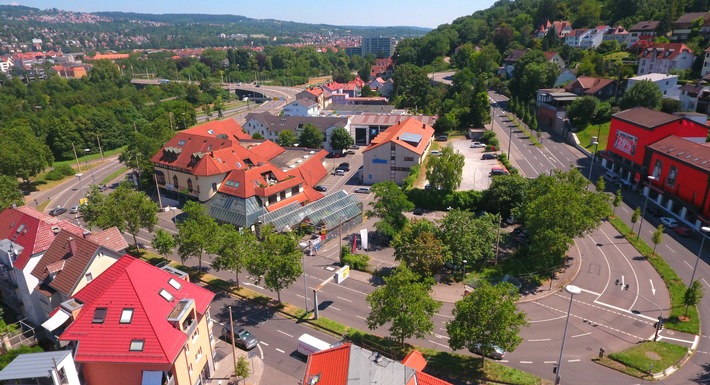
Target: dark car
[[683, 231], [320, 188], [418, 211], [489, 155], [655, 211], [103, 187], [59, 210], [242, 337], [345, 166], [442, 137]]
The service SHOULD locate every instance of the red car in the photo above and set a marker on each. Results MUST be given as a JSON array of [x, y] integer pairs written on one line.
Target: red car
[[683, 231]]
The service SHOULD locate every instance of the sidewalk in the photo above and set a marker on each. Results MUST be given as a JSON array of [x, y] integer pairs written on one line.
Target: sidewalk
[[224, 366]]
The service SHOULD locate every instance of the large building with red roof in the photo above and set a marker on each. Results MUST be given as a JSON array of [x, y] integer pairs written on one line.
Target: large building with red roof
[[138, 324], [663, 57], [391, 154]]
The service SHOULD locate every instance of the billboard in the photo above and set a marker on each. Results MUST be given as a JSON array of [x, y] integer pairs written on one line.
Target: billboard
[[625, 142]]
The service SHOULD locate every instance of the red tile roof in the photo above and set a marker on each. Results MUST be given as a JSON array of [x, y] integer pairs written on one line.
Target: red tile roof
[[228, 127], [415, 360], [267, 149], [412, 126], [665, 50], [33, 230], [590, 85], [132, 283], [331, 365], [110, 238]]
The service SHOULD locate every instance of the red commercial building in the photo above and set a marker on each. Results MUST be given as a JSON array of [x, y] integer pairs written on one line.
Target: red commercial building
[[671, 149]]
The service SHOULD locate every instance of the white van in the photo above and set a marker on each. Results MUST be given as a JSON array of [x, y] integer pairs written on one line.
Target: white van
[[307, 345], [611, 176]]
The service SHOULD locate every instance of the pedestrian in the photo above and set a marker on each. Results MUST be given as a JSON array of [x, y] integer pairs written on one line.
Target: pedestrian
[[601, 352]]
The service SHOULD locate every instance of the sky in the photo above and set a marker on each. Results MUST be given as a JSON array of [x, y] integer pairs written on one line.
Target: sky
[[418, 13]]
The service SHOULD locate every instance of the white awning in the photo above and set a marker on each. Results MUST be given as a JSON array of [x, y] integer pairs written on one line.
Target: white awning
[[57, 320], [152, 377]]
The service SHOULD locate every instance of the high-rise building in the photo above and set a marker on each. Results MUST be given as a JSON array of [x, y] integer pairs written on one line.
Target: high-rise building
[[379, 46]]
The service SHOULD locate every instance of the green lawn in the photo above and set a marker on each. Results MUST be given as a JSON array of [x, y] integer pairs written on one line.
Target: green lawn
[[599, 130], [647, 357]]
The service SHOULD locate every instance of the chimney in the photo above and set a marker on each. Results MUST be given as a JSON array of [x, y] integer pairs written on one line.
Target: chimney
[[423, 126], [72, 246]]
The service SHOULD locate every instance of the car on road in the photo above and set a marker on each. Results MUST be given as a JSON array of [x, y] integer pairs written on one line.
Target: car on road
[[683, 231], [497, 353], [350, 152], [668, 222], [345, 166], [489, 155], [320, 188], [103, 187], [59, 210], [242, 337], [418, 211], [362, 190], [436, 153], [477, 145], [74, 210]]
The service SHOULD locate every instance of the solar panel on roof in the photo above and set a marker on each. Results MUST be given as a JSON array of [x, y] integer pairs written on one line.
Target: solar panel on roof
[[411, 138]]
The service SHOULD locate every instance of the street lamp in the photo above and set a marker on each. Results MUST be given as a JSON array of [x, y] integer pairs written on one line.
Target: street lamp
[[510, 139], [305, 275], [340, 232], [643, 214], [464, 270], [703, 230], [591, 166], [81, 186], [572, 290]]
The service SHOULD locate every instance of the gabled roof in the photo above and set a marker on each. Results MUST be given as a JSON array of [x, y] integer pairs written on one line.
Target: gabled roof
[[645, 117], [618, 30], [132, 283], [665, 50], [277, 123], [228, 127], [645, 26], [590, 85], [110, 238], [262, 181], [65, 262], [690, 17], [266, 149], [420, 134], [550, 55], [692, 89], [578, 32], [685, 151], [515, 55], [305, 102], [33, 230]]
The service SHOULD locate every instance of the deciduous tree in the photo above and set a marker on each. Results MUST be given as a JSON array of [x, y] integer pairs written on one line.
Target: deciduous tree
[[389, 204], [642, 94], [445, 172], [340, 139], [195, 232], [233, 249], [418, 248], [467, 237], [657, 237], [693, 295], [310, 137], [163, 242], [10, 192], [287, 138], [22, 154]]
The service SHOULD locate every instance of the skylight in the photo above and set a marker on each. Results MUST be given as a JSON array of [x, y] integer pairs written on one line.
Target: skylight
[[99, 315], [126, 316], [174, 283], [181, 143], [137, 345], [210, 131], [165, 294]]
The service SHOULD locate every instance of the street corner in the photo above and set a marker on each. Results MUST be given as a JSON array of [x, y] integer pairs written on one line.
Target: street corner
[[225, 363]]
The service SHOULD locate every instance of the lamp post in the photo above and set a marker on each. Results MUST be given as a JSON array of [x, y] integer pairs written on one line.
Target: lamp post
[[572, 290], [305, 275], [81, 186], [340, 235], [591, 166], [643, 214], [510, 139], [464, 270], [703, 230]]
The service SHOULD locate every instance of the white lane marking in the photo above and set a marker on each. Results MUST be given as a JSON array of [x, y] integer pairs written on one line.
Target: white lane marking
[[669, 248], [441, 315], [706, 282], [284, 333], [436, 343], [540, 340], [550, 362], [264, 343], [504, 361], [591, 292], [636, 278], [361, 317], [675, 339], [575, 360], [526, 362], [688, 264], [344, 299], [333, 307], [548, 319], [261, 352], [653, 289], [626, 311], [251, 284], [581, 335], [279, 350]]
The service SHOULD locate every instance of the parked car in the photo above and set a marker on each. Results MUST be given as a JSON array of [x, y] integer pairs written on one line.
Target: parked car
[[683, 231], [345, 166], [59, 210], [497, 353], [668, 222], [655, 211], [418, 211], [495, 171], [436, 153], [242, 337], [339, 172], [350, 152], [442, 137], [354, 147], [611, 176], [74, 210], [477, 145], [320, 188], [489, 155], [362, 190], [103, 187]]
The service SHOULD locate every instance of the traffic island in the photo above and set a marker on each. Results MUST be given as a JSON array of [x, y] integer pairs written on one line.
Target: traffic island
[[646, 360]]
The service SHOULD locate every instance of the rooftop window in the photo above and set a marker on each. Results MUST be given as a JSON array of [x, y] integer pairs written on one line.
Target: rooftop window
[[174, 283], [165, 294], [99, 315], [181, 143], [126, 316], [136, 345]]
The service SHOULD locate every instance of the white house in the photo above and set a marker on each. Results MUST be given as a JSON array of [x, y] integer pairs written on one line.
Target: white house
[[643, 30], [269, 126], [6, 63], [301, 107], [690, 94], [593, 37], [574, 38], [661, 58], [51, 368], [384, 87], [566, 76], [668, 84], [617, 33], [706, 64]]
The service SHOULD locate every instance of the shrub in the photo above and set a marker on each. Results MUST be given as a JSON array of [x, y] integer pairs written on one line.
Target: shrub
[[356, 261]]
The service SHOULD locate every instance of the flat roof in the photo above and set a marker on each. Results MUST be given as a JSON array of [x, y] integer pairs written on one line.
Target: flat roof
[[33, 365]]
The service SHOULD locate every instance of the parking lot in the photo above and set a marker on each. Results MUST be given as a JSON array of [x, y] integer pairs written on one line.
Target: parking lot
[[475, 170]]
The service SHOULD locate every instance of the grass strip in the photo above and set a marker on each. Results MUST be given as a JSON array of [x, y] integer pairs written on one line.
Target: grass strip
[[676, 287], [644, 359], [114, 175]]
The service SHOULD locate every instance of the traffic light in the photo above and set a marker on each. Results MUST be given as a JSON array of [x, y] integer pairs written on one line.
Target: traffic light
[[554, 369]]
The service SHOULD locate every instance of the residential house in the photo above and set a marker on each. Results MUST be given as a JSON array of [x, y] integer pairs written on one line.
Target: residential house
[[383, 67], [561, 28], [661, 58], [25, 235], [352, 88], [338, 365], [108, 56], [600, 88], [683, 27], [593, 37], [138, 324], [69, 264], [642, 31], [391, 155], [366, 126], [552, 106], [690, 95], [270, 126], [316, 94], [706, 64], [555, 58], [195, 161], [383, 87], [301, 107], [510, 60], [617, 33], [667, 84], [76, 71], [543, 29], [46, 368], [6, 63], [574, 38], [567, 76]]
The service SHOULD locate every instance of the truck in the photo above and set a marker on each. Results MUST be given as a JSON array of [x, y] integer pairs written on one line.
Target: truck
[[307, 345]]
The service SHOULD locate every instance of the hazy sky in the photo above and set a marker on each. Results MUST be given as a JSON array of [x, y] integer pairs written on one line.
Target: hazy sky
[[420, 13]]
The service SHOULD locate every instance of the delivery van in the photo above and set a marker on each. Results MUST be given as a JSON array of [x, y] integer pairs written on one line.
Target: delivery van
[[307, 345]]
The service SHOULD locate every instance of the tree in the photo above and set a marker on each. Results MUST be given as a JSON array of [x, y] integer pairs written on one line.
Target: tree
[[488, 317], [163, 242], [10, 192], [389, 204], [657, 238], [233, 249], [418, 248], [405, 302], [582, 110], [693, 295], [446, 171], [340, 139], [286, 138], [195, 232], [242, 368], [22, 154], [218, 106], [600, 186], [280, 259], [310, 137], [642, 94], [468, 237], [635, 218], [670, 106], [505, 195], [618, 199]]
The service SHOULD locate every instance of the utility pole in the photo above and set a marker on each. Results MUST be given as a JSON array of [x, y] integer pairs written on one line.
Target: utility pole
[[78, 166], [231, 329]]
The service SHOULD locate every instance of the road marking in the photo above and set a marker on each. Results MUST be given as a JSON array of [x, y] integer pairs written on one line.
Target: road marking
[[279, 350], [674, 339], [540, 340], [550, 362], [687, 264], [706, 282], [261, 352], [591, 292], [653, 289], [672, 251], [436, 343], [251, 284], [441, 315], [526, 362], [284, 333], [582, 335], [333, 307], [575, 360], [264, 343], [344, 299], [361, 317]]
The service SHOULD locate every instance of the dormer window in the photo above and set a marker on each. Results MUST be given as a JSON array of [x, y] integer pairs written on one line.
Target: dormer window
[[126, 316], [99, 315], [137, 345]]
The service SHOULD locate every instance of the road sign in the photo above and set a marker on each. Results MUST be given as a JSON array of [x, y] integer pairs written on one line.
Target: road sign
[[342, 273]]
